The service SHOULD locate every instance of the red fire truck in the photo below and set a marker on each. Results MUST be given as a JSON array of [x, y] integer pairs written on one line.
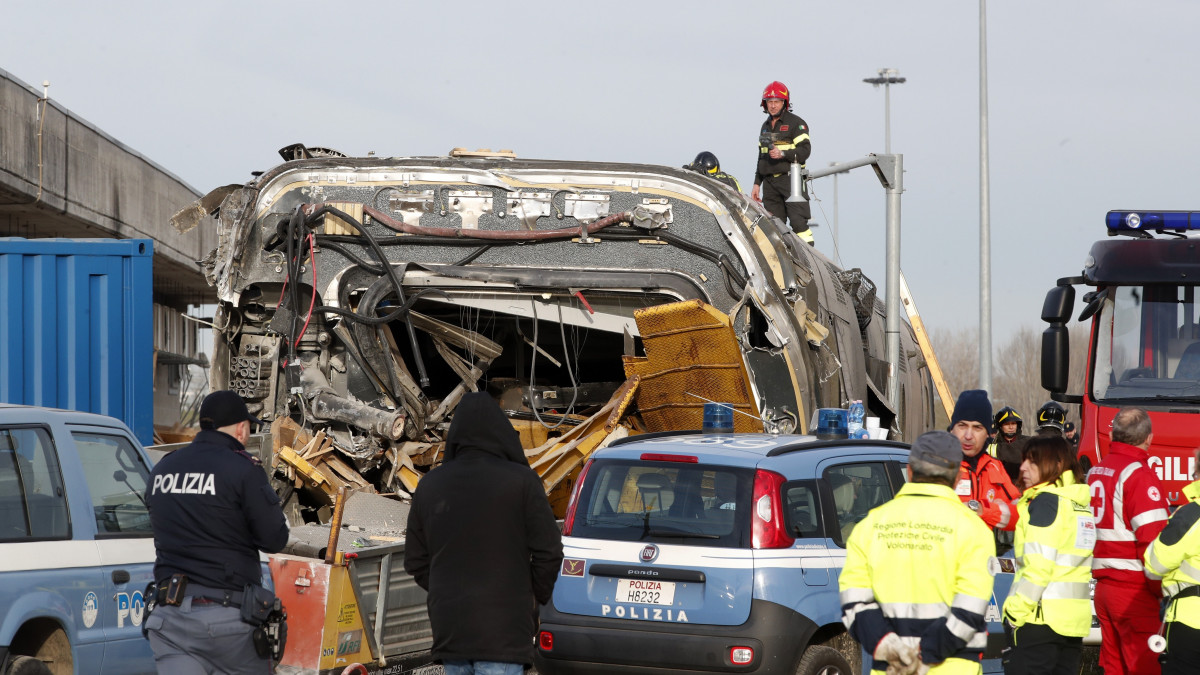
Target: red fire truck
[[1145, 338]]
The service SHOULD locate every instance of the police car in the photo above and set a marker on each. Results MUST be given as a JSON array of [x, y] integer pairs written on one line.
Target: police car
[[76, 549], [695, 553]]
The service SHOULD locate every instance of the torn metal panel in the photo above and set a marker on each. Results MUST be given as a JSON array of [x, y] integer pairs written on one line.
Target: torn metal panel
[[223, 267], [361, 298]]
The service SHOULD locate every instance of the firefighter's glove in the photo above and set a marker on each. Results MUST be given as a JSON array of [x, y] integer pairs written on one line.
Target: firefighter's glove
[[902, 659]]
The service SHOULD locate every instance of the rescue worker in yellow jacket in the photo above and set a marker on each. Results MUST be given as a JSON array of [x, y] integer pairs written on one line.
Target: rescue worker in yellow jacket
[[1174, 557], [915, 586], [1048, 610]]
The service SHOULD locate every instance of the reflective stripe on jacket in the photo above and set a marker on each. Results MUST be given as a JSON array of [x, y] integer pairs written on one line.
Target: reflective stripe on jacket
[[1174, 557], [727, 179], [1054, 544], [1131, 509], [917, 566], [990, 485]]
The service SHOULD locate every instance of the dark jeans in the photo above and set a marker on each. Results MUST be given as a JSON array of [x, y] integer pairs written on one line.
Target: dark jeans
[[1183, 650], [775, 191], [1035, 649]]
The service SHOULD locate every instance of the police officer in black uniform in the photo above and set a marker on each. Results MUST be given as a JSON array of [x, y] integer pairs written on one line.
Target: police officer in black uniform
[[212, 510], [706, 163], [783, 139]]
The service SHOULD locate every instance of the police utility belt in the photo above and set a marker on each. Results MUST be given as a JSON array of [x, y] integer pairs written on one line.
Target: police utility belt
[[259, 606]]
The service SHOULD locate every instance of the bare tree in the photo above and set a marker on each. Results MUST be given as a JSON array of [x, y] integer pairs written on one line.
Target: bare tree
[[1018, 363], [958, 354], [1018, 381]]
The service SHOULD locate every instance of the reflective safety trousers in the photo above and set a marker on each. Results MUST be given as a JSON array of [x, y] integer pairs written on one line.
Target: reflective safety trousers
[[1054, 540], [917, 566], [1174, 557]]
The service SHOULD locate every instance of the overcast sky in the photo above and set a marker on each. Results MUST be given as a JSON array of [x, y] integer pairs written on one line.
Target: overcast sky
[[1092, 104]]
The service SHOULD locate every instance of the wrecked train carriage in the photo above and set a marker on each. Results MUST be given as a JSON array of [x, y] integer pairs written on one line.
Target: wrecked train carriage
[[364, 296]]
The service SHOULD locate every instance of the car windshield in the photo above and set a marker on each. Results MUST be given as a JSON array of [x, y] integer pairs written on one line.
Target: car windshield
[[667, 502], [1147, 344]]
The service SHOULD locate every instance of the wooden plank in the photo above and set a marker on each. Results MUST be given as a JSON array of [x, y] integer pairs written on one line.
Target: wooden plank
[[285, 433], [306, 470], [408, 478], [345, 471], [329, 447], [313, 445]]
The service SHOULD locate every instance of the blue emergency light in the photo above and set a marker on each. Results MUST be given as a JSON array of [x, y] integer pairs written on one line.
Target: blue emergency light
[[1120, 222]]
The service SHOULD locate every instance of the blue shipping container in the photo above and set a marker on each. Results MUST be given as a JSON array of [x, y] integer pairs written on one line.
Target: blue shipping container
[[77, 327]]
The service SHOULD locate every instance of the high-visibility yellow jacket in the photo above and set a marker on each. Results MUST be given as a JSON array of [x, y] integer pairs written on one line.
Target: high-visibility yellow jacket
[[917, 566], [1174, 557], [1055, 535]]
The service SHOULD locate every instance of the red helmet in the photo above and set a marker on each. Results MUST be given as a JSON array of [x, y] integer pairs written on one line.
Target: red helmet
[[776, 90]]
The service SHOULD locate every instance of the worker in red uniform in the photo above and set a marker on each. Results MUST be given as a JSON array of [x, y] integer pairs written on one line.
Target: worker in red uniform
[[1130, 506], [983, 484], [783, 139]]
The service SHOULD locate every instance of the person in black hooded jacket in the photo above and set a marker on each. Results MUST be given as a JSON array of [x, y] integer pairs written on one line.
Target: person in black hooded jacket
[[483, 541]]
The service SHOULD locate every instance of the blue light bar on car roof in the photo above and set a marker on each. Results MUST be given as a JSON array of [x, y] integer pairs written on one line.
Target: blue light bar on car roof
[[1154, 221]]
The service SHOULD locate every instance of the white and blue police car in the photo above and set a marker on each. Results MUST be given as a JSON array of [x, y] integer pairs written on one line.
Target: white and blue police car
[[76, 549], [701, 553]]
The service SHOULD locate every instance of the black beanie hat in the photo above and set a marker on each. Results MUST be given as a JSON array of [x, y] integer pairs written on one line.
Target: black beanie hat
[[973, 406]]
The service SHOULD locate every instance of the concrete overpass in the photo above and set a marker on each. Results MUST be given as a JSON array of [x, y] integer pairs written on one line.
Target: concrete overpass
[[60, 176]]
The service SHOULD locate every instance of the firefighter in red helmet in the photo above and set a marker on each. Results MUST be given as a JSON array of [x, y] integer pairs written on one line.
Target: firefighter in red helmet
[[782, 140]]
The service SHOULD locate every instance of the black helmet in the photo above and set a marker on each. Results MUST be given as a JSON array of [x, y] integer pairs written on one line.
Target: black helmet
[[705, 163], [1052, 415], [1008, 414]]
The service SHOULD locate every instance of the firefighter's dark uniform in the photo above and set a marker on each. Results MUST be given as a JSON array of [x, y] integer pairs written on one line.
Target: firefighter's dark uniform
[[716, 174], [726, 179], [1175, 558], [212, 510], [772, 174]]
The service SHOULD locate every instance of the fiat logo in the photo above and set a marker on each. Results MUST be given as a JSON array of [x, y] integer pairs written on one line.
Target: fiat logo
[[649, 553]]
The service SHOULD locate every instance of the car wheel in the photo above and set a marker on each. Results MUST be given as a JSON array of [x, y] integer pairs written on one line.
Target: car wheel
[[27, 665], [823, 661]]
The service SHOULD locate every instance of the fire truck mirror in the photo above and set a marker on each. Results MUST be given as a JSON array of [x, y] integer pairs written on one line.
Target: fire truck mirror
[[1056, 356], [1060, 301]]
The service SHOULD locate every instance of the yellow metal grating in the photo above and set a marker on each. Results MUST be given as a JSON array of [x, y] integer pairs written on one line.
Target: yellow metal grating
[[690, 349]]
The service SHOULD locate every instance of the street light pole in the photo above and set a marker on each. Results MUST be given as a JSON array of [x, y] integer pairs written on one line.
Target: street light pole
[[836, 250], [887, 77], [985, 216]]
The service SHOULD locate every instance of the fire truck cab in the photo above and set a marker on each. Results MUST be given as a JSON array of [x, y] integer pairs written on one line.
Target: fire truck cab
[[1144, 348]]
